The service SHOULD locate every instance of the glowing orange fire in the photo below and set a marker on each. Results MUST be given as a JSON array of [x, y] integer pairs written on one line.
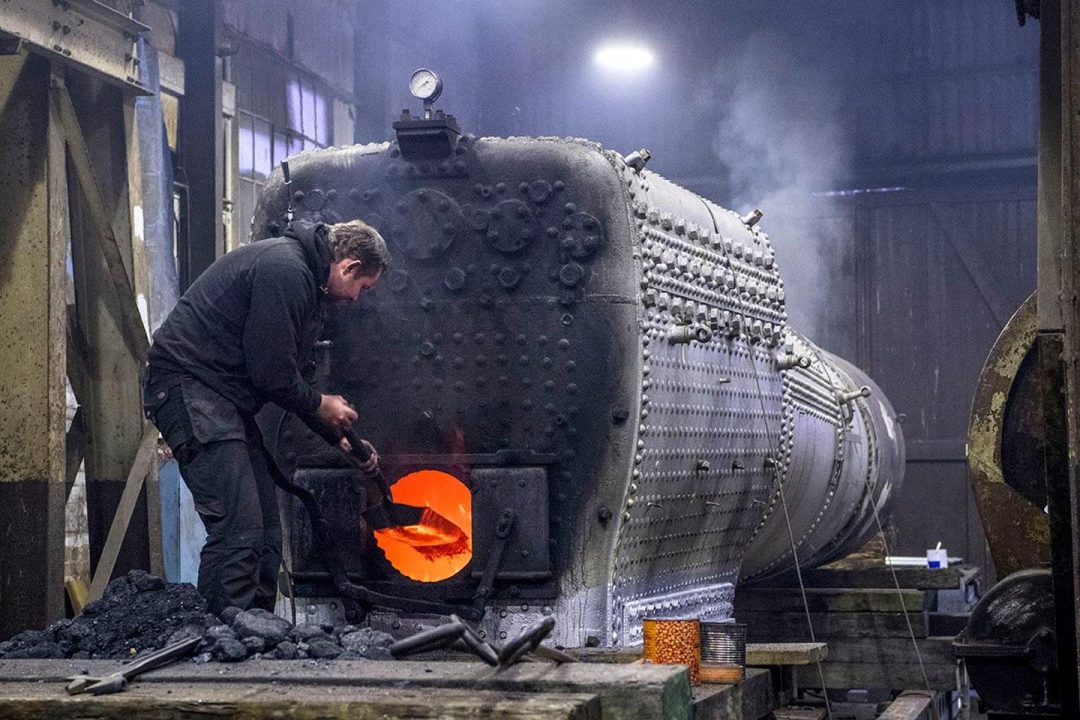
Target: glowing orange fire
[[441, 544]]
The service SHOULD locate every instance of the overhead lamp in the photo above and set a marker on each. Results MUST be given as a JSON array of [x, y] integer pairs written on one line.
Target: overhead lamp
[[624, 57]]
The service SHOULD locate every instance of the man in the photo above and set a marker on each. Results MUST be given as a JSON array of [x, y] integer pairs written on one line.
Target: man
[[233, 343]]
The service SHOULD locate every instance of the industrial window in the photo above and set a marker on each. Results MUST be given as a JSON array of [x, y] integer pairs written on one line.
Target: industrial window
[[280, 111]]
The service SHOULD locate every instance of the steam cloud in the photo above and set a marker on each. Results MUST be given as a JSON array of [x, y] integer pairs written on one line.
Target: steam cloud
[[780, 139]]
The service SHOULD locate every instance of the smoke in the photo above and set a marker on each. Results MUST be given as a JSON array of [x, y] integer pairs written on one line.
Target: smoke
[[780, 139]]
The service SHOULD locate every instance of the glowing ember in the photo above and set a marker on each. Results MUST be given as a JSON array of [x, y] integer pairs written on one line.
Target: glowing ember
[[441, 544]]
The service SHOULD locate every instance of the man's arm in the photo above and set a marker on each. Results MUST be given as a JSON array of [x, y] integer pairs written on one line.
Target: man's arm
[[280, 306]]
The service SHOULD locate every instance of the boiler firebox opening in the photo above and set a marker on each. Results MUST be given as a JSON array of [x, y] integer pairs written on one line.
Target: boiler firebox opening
[[441, 544]]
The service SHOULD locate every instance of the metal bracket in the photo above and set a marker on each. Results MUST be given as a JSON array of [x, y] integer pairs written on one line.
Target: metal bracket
[[495, 556]]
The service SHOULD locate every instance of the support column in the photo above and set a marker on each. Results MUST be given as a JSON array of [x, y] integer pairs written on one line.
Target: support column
[[201, 139], [34, 228], [113, 406], [1058, 338]]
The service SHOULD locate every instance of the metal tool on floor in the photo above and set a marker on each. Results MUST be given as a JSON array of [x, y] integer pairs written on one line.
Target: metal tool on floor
[[118, 681], [459, 635]]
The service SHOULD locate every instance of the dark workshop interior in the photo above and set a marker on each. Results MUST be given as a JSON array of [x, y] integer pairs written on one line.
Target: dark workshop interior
[[540, 359]]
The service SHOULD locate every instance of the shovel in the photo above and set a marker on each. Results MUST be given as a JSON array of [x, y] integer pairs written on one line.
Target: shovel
[[387, 513]]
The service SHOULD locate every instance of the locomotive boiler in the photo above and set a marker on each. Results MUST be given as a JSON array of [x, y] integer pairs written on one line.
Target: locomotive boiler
[[586, 373]]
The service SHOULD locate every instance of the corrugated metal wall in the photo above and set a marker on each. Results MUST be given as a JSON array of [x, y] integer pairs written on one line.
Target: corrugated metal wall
[[944, 80], [944, 106]]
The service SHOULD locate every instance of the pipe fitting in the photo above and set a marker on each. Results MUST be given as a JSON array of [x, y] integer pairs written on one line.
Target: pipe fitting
[[846, 397], [690, 333], [787, 361]]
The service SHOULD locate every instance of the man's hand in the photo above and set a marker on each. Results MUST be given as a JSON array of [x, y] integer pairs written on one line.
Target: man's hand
[[336, 412], [371, 466]]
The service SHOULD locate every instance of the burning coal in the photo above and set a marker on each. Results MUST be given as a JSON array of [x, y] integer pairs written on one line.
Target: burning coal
[[441, 544]]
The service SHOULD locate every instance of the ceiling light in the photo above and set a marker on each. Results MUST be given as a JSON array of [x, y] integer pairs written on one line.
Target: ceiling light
[[624, 57]]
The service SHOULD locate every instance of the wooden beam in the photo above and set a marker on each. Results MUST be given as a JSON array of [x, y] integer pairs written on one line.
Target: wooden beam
[[134, 330], [781, 654], [77, 358], [626, 692], [829, 600], [791, 626], [911, 705], [302, 703], [74, 450], [144, 458]]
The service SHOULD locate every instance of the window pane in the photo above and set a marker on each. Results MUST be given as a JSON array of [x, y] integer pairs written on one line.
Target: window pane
[[280, 148], [308, 97], [262, 139], [245, 151], [244, 209], [294, 103], [322, 123], [296, 144]]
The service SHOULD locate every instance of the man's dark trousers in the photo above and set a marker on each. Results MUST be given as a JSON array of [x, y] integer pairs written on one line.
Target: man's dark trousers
[[232, 485]]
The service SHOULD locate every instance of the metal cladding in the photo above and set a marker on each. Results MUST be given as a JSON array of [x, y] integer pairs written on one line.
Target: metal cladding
[[618, 342]]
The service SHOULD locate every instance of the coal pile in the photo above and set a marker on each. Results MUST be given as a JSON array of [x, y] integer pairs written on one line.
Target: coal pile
[[141, 612]]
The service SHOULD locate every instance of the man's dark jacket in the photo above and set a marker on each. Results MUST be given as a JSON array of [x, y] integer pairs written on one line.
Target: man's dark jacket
[[241, 329]]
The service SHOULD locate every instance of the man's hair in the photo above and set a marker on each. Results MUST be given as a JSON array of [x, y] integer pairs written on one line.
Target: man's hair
[[356, 240]]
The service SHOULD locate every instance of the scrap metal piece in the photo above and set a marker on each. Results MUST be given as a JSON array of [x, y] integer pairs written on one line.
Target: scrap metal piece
[[118, 681], [1005, 448]]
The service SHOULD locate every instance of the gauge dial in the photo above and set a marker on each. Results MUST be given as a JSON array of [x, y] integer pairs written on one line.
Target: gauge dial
[[425, 85]]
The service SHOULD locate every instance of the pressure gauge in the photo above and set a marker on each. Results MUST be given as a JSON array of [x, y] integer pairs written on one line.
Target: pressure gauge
[[425, 85]]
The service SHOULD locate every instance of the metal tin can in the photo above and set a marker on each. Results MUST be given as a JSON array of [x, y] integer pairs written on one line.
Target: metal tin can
[[723, 652], [674, 642]]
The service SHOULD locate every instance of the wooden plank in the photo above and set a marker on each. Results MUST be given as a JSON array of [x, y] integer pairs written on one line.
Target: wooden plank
[[751, 699], [950, 578], [626, 692], [780, 654], [792, 627], [77, 592], [887, 651], [799, 713], [134, 331], [829, 600], [606, 654], [909, 706], [876, 675], [74, 449], [23, 702], [140, 467], [113, 397]]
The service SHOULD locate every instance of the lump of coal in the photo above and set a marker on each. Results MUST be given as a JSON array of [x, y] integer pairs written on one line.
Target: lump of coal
[[286, 650], [138, 612], [307, 633], [228, 615], [323, 649], [44, 649], [262, 623], [141, 612], [229, 650], [254, 644], [368, 643], [222, 644]]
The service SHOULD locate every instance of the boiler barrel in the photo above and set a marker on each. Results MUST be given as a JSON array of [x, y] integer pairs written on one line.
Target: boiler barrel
[[614, 347]]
